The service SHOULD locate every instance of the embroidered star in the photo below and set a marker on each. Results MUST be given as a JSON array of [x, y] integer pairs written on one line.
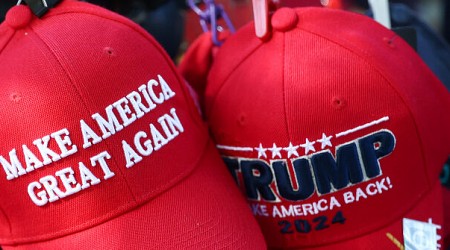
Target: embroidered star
[[291, 150], [275, 151], [308, 146], [325, 141], [261, 151]]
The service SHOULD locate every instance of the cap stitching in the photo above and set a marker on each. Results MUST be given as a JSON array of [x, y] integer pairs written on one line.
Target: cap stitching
[[358, 54], [88, 9], [6, 42], [83, 100], [283, 80], [119, 211], [225, 80]]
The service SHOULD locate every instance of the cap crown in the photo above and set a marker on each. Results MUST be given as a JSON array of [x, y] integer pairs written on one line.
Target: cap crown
[[334, 127], [82, 109]]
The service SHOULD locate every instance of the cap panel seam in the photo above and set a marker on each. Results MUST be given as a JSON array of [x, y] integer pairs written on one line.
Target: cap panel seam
[[124, 21], [283, 80], [83, 100], [222, 85], [7, 40], [359, 54]]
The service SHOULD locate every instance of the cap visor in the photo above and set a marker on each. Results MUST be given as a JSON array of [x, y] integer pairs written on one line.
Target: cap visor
[[205, 210]]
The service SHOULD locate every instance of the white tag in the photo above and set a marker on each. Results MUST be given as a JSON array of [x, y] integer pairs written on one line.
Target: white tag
[[380, 9], [261, 17], [420, 235]]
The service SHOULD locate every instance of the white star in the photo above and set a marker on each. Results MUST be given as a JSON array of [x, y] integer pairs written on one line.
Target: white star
[[261, 151], [275, 151], [308, 146], [291, 150], [325, 141]]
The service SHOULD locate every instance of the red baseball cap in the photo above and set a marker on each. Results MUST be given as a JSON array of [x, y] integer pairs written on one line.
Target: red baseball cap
[[335, 130], [197, 61], [102, 146]]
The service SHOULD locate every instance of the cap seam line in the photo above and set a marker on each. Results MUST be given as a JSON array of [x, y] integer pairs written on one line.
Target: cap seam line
[[283, 75], [124, 21], [7, 40], [230, 73], [83, 101], [358, 52]]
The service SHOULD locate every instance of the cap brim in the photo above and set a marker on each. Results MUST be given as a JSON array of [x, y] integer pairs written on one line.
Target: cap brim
[[391, 237], [204, 211]]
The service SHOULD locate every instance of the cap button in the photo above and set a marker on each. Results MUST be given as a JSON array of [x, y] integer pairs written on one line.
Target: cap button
[[18, 17], [284, 19]]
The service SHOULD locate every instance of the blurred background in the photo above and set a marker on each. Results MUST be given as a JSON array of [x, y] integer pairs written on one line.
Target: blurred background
[[176, 26]]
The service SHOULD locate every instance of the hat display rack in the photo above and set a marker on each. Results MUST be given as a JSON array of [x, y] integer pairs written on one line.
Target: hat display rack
[[209, 17]]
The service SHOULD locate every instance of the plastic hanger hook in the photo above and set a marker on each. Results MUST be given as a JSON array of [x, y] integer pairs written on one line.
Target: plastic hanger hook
[[261, 15], [210, 16]]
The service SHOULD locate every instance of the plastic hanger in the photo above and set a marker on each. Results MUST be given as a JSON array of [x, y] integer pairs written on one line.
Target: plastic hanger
[[380, 9], [261, 17], [209, 18], [261, 13]]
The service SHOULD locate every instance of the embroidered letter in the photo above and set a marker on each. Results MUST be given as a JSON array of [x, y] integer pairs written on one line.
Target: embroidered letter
[[100, 158], [88, 135], [13, 169]]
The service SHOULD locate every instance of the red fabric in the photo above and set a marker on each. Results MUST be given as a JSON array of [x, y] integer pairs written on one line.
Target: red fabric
[[197, 61], [302, 3], [335, 74], [59, 74]]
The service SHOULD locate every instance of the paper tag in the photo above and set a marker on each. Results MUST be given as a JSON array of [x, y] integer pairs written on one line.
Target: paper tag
[[419, 235]]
